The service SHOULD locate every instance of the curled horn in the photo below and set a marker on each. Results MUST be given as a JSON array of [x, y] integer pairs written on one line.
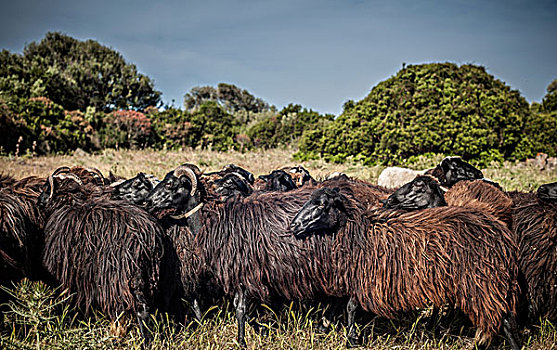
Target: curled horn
[[184, 170], [69, 175], [60, 170], [97, 173]]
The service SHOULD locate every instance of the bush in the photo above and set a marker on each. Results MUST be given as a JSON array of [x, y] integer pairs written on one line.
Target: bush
[[430, 108], [126, 129]]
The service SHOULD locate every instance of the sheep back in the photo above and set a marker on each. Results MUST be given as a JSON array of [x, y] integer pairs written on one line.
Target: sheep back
[[107, 252], [437, 255], [535, 223], [246, 243], [483, 196]]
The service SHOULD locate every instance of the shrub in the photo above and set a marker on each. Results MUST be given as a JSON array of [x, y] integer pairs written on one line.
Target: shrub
[[430, 108], [126, 129]]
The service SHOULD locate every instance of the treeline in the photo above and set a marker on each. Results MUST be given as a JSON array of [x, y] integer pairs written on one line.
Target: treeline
[[62, 93]]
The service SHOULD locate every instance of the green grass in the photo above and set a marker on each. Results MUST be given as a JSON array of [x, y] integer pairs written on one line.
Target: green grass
[[38, 317]]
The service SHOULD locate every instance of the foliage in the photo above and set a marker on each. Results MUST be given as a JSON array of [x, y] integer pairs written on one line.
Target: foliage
[[212, 127], [127, 129], [431, 108], [228, 96], [75, 74], [286, 127], [46, 127], [549, 102]]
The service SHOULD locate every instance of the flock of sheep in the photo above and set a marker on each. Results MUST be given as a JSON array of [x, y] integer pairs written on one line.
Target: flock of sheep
[[445, 236]]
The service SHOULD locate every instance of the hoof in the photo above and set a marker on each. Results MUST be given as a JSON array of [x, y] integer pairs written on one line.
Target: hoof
[[353, 342], [321, 328]]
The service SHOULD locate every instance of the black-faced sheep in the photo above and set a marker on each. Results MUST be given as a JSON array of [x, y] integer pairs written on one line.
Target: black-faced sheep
[[18, 240], [420, 193], [277, 180], [454, 169], [243, 248], [448, 172], [394, 262], [105, 251], [299, 175], [535, 224]]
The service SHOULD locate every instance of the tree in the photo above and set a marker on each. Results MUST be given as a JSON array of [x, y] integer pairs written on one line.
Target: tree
[[228, 96], [76, 74], [430, 108], [549, 102]]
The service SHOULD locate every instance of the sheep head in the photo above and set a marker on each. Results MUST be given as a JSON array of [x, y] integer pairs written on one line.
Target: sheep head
[[233, 168], [299, 174], [455, 169], [134, 190], [323, 212], [60, 181], [277, 180], [548, 192], [232, 185], [178, 192], [420, 193]]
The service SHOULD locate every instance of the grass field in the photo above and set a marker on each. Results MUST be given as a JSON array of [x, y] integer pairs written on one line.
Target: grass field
[[41, 318]]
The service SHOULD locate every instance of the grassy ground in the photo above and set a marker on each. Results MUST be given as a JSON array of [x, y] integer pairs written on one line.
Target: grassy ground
[[40, 318]]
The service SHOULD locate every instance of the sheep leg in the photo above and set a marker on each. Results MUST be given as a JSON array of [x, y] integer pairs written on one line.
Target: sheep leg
[[510, 329], [197, 310], [240, 304], [351, 313], [142, 316]]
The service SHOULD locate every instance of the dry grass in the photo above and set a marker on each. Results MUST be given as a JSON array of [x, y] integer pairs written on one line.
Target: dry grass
[[128, 163], [24, 326]]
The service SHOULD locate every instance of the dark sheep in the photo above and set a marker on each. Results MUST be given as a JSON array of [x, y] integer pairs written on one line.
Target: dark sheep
[[535, 224], [107, 252], [18, 238], [482, 195], [454, 169], [231, 169], [420, 193], [242, 248], [21, 224], [394, 262], [299, 175], [277, 180], [133, 190], [548, 192]]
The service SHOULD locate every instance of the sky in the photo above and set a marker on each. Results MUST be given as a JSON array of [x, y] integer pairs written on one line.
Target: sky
[[317, 53]]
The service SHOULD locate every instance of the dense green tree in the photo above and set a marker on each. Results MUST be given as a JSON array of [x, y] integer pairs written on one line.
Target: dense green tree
[[431, 108], [549, 102], [76, 74], [228, 96], [284, 128]]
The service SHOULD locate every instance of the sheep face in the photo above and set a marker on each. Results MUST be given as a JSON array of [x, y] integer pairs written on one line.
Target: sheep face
[[171, 193], [134, 190], [232, 185], [548, 192], [455, 169], [278, 180], [233, 168], [324, 211], [67, 183], [420, 193], [299, 174]]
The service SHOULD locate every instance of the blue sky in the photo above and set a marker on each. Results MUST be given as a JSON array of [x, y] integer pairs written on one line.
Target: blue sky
[[315, 53]]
